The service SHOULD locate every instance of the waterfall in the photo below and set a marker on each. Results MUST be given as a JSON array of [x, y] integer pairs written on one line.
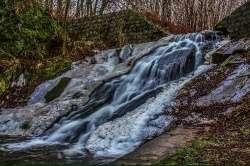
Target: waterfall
[[127, 110]]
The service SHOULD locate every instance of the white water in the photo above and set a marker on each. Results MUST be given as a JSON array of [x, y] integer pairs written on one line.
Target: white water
[[134, 107]]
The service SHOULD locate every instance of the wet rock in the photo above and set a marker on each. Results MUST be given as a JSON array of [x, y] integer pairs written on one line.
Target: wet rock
[[93, 61], [232, 89], [126, 52], [57, 90], [77, 95], [84, 79], [230, 48], [218, 58], [41, 115], [209, 35], [20, 82]]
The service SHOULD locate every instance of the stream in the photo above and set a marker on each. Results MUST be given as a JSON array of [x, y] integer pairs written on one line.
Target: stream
[[124, 111]]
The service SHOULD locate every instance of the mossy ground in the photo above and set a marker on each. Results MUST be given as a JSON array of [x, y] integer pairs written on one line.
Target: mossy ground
[[115, 30]]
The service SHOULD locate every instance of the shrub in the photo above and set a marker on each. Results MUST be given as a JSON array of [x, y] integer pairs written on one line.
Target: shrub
[[25, 33]]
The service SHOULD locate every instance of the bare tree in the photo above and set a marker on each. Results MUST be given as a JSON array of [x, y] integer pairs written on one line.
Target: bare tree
[[195, 15], [166, 12]]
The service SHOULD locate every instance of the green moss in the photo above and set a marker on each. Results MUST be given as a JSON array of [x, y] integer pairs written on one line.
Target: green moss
[[235, 25], [35, 73], [245, 131], [188, 155], [3, 86], [57, 90], [55, 68], [7, 76], [25, 126]]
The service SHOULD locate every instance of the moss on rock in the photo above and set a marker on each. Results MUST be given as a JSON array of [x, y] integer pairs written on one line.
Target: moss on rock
[[54, 68], [25, 126], [189, 155], [58, 89]]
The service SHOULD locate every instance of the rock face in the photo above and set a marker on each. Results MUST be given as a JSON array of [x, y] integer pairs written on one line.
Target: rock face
[[37, 116], [237, 25], [231, 90], [226, 85], [200, 93]]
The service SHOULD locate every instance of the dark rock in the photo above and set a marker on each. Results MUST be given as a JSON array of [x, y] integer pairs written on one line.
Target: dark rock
[[93, 61], [210, 35], [77, 95], [218, 58], [57, 90], [74, 107]]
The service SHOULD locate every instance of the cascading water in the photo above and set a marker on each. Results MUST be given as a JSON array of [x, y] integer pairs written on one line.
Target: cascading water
[[127, 110]]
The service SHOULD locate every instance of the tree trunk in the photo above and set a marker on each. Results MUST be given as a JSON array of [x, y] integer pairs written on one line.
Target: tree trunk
[[103, 6], [59, 9], [166, 10], [67, 7]]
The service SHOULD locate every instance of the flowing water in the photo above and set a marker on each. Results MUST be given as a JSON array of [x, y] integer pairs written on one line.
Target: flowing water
[[127, 110]]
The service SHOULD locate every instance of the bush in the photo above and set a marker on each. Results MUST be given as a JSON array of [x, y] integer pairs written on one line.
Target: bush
[[25, 33]]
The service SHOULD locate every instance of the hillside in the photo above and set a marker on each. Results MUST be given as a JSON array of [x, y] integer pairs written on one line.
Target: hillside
[[115, 30], [237, 24]]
